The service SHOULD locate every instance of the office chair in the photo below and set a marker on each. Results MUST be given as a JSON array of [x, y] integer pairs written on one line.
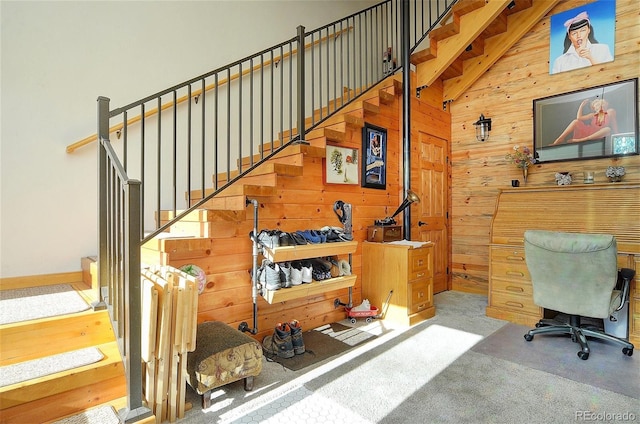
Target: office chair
[[576, 274]]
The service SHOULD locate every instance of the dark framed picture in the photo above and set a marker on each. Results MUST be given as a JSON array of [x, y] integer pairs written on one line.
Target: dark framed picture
[[374, 152], [596, 122]]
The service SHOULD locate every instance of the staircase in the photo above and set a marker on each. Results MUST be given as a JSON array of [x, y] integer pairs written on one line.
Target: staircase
[[65, 393]]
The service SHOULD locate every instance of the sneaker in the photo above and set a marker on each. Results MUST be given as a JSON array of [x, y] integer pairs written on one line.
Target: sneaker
[[285, 274], [365, 306], [270, 275], [268, 239], [296, 273], [285, 239], [280, 343], [296, 337], [307, 272]]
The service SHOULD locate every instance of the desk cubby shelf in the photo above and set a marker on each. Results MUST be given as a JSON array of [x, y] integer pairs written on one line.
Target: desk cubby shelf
[[292, 253]]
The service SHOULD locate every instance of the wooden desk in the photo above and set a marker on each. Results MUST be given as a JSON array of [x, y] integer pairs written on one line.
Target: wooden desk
[[612, 208]]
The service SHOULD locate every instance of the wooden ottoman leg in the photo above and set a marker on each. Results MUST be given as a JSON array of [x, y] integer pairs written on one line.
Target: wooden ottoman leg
[[206, 399], [248, 383]]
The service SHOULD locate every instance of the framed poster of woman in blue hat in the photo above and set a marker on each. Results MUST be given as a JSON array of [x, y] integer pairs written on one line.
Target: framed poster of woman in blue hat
[[582, 37]]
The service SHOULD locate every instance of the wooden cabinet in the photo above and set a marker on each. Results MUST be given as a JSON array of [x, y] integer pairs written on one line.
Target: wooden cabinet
[[510, 288], [408, 272], [596, 208], [292, 253]]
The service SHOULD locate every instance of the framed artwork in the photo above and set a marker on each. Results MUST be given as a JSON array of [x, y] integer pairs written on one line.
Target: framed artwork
[[342, 165], [596, 122], [582, 37], [374, 163]]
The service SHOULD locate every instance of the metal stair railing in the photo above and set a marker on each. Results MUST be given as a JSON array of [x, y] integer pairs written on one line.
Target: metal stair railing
[[254, 107]]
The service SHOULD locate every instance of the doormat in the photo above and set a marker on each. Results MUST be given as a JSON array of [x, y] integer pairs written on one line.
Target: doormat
[[324, 342], [606, 368], [28, 370], [29, 303]]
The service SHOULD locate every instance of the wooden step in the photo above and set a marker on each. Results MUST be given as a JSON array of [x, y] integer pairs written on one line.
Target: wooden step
[[167, 248], [281, 167], [452, 27], [20, 396], [304, 149], [117, 405], [23, 341]]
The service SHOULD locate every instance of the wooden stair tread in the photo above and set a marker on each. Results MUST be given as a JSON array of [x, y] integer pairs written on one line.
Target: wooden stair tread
[[109, 367], [23, 341]]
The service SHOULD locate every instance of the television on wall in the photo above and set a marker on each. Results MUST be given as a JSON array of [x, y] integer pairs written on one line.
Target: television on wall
[[595, 122]]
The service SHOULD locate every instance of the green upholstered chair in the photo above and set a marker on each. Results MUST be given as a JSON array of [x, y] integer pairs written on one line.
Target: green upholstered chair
[[576, 274]]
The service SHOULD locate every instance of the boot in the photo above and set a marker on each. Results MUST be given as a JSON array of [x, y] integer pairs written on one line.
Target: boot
[[296, 337], [280, 342]]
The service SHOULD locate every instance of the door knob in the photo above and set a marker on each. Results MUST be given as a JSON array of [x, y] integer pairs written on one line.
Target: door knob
[[420, 223]]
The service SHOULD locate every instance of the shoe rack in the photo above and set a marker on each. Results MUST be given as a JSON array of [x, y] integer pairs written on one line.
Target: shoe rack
[[308, 251]]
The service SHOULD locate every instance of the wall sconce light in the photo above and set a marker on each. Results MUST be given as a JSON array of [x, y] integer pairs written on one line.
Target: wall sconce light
[[483, 128]]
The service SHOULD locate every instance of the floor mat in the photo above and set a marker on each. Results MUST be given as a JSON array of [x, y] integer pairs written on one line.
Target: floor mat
[[29, 303], [324, 342], [28, 370], [606, 367]]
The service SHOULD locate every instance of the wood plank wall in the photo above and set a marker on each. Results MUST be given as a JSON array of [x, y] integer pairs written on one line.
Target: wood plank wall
[[505, 94]]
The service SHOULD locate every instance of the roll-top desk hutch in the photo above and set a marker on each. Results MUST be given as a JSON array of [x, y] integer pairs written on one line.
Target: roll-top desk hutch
[[612, 208]]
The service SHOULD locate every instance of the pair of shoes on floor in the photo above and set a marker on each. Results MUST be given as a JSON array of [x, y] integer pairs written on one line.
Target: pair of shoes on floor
[[285, 342]]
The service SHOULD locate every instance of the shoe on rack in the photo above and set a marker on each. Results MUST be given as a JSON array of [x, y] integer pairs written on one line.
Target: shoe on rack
[[285, 274], [365, 306], [269, 275], [269, 239], [285, 239], [296, 273], [310, 236], [279, 343], [298, 239], [296, 337], [307, 272]]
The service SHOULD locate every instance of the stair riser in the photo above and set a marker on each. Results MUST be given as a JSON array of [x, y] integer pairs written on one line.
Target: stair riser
[[62, 404]]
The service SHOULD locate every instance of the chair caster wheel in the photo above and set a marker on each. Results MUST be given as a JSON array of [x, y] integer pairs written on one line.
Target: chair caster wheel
[[583, 355], [538, 325], [627, 351], [528, 337]]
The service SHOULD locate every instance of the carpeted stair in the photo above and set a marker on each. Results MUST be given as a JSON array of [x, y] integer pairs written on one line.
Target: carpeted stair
[[56, 363]]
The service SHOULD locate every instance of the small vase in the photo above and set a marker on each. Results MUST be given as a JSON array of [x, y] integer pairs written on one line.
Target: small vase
[[615, 179], [525, 173]]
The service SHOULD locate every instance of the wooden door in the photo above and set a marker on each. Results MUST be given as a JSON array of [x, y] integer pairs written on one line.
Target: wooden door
[[429, 220]]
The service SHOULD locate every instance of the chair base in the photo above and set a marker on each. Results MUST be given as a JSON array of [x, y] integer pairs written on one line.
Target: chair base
[[578, 334]]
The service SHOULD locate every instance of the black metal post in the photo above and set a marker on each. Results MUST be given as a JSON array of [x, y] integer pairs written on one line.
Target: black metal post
[[301, 83], [406, 113]]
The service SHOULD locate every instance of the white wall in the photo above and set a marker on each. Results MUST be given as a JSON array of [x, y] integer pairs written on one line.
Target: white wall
[[57, 57]]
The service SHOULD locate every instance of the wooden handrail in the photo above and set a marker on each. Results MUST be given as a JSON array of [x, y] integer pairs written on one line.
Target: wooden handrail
[[72, 147]]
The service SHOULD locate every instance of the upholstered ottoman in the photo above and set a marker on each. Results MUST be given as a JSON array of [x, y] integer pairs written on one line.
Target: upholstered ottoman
[[223, 355]]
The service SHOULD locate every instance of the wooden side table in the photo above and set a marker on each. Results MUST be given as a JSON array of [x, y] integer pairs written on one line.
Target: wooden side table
[[405, 268]]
